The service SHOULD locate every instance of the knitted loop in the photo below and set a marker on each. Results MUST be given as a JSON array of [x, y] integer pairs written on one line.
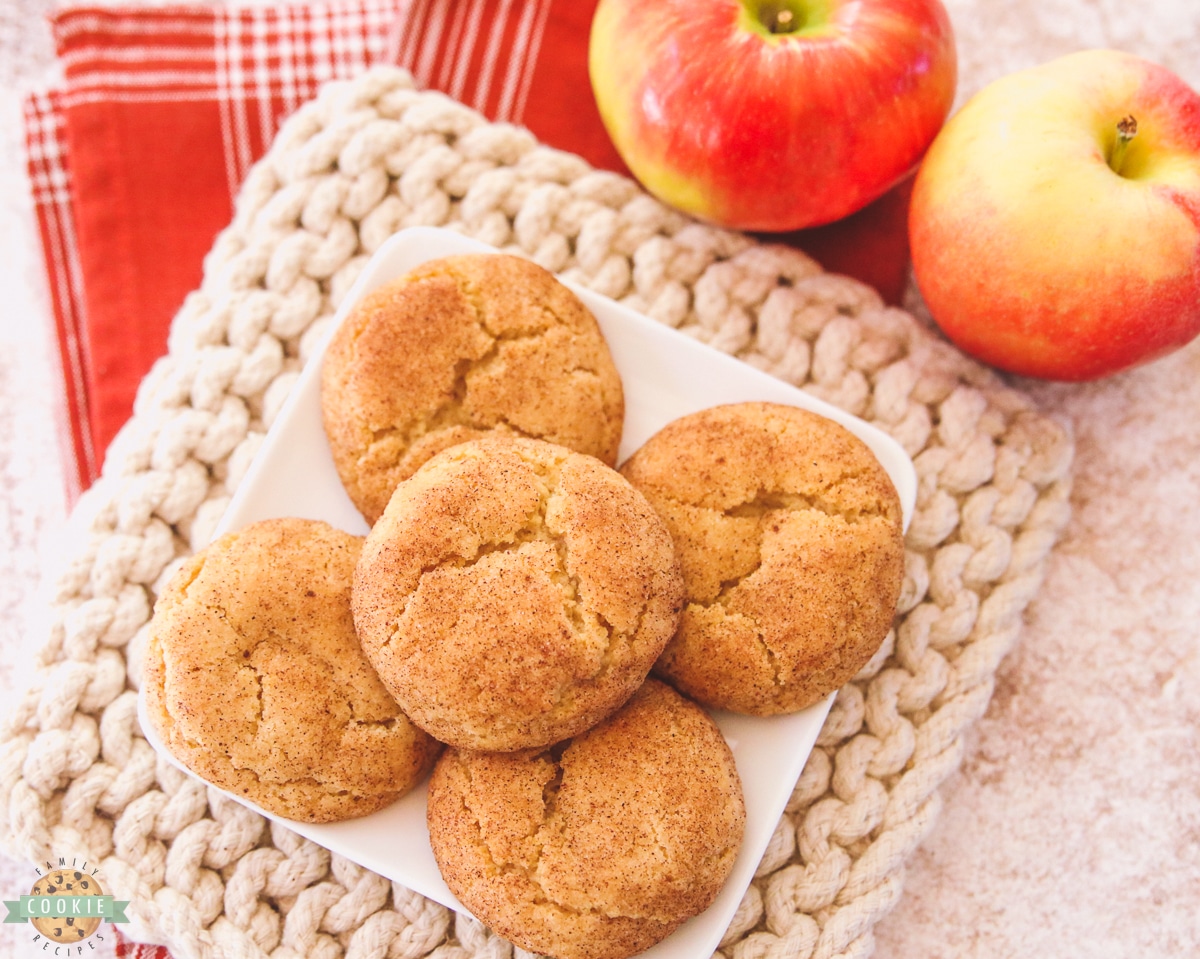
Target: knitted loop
[[366, 158]]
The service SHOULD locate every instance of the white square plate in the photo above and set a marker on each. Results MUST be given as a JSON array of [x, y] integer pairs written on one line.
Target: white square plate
[[665, 375]]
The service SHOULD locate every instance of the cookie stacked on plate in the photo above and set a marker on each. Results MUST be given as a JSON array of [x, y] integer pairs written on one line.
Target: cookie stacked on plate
[[513, 595], [255, 679]]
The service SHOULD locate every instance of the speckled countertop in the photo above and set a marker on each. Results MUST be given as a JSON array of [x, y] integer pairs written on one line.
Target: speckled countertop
[[1073, 827]]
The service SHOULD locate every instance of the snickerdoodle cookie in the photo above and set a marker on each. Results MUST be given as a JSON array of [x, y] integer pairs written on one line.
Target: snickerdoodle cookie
[[514, 593], [255, 680], [453, 350], [789, 534], [598, 847]]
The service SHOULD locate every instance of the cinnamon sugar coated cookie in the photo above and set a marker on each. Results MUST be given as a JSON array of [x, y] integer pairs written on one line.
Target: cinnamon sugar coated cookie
[[789, 534], [255, 680], [598, 847], [515, 593], [455, 349]]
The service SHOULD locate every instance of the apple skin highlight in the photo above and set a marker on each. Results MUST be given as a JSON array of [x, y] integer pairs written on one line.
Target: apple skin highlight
[[729, 123], [1031, 252]]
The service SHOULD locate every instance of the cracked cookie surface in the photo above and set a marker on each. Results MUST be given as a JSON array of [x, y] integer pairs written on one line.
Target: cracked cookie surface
[[515, 593], [789, 534], [598, 847], [254, 677], [458, 348]]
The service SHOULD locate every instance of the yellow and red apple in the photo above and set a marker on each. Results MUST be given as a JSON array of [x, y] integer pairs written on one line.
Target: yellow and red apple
[[771, 115], [1055, 222]]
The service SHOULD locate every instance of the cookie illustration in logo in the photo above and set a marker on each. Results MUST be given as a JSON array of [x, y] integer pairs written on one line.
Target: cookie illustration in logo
[[66, 882]]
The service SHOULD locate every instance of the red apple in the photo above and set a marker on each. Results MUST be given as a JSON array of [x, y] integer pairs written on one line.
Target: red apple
[[1048, 242], [771, 115]]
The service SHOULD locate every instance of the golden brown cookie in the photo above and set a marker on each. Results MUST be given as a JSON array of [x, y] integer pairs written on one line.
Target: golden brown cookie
[[515, 593], [788, 531], [458, 348], [598, 847], [255, 680]]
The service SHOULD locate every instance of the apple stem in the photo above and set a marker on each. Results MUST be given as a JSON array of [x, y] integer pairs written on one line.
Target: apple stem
[[779, 17], [1126, 131]]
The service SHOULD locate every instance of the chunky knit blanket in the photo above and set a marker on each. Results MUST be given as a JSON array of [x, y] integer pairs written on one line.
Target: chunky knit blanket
[[210, 878]]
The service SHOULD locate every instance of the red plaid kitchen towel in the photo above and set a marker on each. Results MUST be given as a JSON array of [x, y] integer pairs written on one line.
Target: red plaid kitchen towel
[[127, 949], [134, 163], [46, 159]]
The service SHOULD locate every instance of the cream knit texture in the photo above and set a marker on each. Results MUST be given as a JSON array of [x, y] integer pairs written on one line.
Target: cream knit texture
[[368, 157]]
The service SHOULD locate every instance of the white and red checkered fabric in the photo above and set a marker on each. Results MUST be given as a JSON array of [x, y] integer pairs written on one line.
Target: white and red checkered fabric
[[50, 185], [127, 949], [482, 53], [255, 65], [142, 89]]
